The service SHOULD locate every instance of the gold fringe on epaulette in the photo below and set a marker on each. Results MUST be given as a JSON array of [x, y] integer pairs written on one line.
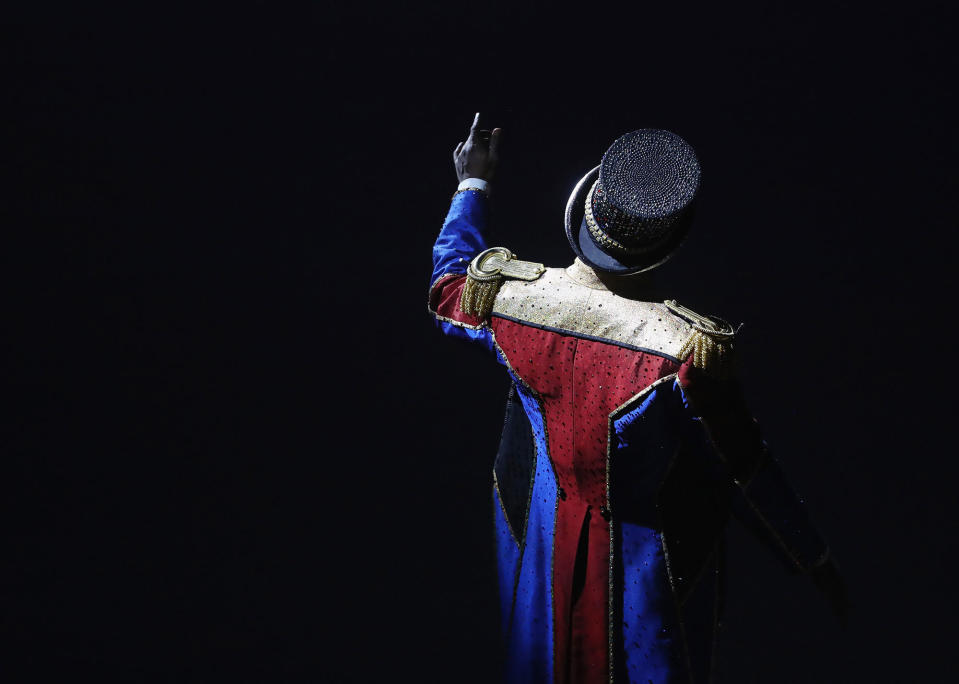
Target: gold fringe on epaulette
[[484, 275], [710, 355], [478, 296]]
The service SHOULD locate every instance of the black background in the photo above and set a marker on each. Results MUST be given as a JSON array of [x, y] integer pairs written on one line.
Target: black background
[[236, 448]]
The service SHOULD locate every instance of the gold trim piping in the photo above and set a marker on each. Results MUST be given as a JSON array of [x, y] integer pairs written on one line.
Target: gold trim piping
[[534, 394], [529, 493], [613, 416], [618, 412], [695, 579], [499, 494], [782, 542], [765, 458], [679, 609], [438, 317], [484, 193], [458, 324], [522, 545], [549, 460], [552, 556], [552, 576], [610, 602], [499, 500]]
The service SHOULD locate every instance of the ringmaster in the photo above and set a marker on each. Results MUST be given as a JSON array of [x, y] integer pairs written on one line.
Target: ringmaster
[[627, 444]]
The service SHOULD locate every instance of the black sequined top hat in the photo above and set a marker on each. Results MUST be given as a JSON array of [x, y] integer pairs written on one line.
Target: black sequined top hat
[[630, 213]]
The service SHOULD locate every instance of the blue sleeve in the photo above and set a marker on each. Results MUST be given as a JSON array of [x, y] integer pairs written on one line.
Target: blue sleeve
[[461, 238], [463, 234]]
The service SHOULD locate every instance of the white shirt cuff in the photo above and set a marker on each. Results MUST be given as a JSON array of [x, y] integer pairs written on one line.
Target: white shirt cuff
[[474, 184]]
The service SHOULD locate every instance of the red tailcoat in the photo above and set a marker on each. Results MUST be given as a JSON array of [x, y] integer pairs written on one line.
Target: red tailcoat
[[622, 458]]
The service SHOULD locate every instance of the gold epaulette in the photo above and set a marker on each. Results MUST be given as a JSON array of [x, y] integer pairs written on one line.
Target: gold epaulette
[[711, 344], [484, 275]]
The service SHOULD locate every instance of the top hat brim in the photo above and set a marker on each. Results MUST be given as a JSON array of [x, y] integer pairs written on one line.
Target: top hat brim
[[589, 252]]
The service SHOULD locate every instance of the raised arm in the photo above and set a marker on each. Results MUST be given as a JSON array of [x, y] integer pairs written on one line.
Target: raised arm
[[463, 235]]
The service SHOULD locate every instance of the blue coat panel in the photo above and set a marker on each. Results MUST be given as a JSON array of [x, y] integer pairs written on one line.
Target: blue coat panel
[[620, 462]]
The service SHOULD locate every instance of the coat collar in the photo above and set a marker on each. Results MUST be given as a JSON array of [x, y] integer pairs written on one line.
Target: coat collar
[[580, 273]]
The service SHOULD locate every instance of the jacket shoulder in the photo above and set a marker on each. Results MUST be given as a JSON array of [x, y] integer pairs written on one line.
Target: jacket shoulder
[[710, 343], [557, 302]]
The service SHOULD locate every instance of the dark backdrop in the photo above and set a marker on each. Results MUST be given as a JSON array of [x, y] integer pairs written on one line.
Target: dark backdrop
[[235, 447]]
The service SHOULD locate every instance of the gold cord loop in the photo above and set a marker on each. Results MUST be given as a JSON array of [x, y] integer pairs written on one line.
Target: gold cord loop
[[484, 275], [710, 347]]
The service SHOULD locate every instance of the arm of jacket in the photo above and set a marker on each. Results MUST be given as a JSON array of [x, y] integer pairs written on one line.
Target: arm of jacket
[[462, 237], [762, 498]]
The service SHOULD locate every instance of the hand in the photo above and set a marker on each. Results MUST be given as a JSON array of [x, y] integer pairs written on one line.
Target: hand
[[477, 157]]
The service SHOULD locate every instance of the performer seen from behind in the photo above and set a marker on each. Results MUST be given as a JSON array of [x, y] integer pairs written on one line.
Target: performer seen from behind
[[627, 443]]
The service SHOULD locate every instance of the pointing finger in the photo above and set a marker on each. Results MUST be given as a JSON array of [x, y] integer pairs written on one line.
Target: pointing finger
[[494, 144], [475, 123]]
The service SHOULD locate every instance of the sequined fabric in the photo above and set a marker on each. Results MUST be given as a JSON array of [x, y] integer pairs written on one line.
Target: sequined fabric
[[579, 382], [646, 181], [559, 301], [619, 465]]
